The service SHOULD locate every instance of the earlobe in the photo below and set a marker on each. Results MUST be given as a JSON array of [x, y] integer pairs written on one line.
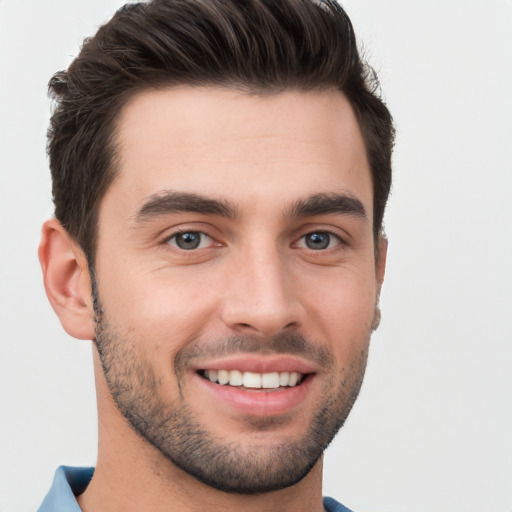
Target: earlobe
[[66, 280]]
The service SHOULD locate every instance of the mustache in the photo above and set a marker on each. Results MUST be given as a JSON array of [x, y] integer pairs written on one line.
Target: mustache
[[284, 343]]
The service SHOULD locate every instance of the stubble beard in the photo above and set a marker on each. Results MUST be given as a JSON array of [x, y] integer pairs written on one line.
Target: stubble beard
[[173, 429]]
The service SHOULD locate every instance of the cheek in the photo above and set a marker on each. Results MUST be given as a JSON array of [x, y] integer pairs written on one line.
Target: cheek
[[344, 308], [161, 307]]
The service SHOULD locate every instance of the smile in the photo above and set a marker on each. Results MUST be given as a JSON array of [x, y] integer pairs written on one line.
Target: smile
[[253, 380], [256, 387]]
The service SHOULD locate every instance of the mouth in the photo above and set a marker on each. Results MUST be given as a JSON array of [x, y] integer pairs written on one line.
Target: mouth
[[255, 385], [253, 381]]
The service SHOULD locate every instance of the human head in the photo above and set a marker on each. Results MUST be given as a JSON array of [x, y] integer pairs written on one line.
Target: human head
[[256, 46], [270, 130]]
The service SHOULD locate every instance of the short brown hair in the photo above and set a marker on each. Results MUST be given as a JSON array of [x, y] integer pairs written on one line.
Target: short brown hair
[[261, 46]]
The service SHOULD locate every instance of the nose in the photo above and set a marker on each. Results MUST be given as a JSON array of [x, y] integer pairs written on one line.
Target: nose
[[261, 297]]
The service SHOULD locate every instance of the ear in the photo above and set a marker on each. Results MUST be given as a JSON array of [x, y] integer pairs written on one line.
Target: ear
[[380, 270], [66, 280], [380, 260]]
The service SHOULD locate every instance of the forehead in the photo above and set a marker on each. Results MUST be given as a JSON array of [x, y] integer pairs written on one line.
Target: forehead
[[229, 144]]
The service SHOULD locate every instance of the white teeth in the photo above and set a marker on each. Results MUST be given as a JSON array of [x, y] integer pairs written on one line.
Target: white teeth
[[271, 380], [236, 378], [284, 378], [223, 377], [252, 380]]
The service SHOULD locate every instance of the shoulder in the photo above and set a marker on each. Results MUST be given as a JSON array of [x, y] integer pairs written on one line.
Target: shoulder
[[331, 505]]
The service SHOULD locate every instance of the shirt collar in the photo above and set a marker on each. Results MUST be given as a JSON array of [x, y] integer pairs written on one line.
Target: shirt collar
[[68, 482]]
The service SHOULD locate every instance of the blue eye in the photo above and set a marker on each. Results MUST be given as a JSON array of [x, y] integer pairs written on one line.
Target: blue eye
[[189, 240], [319, 240]]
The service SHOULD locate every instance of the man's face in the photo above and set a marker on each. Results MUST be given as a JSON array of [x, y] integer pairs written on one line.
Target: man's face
[[236, 279]]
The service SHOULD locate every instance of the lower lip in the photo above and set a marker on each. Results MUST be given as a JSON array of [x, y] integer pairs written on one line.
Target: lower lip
[[258, 402]]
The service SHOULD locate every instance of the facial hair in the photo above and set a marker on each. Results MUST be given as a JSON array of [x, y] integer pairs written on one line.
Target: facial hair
[[172, 428]]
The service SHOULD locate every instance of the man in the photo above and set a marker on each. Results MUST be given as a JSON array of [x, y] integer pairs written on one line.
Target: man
[[220, 173]]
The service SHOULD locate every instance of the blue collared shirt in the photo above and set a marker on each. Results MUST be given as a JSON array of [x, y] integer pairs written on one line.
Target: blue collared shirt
[[67, 483], [70, 482]]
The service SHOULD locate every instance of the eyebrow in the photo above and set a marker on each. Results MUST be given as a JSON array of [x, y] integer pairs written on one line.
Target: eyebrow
[[168, 202], [328, 203]]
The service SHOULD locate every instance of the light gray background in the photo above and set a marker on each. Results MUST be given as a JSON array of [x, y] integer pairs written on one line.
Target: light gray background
[[432, 428]]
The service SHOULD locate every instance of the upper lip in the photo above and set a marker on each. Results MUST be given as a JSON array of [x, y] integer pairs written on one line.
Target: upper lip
[[258, 364]]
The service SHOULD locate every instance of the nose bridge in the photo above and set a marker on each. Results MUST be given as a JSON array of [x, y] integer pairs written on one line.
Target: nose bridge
[[262, 299]]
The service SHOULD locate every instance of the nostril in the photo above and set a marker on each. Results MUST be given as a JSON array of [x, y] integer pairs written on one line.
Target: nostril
[[263, 318], [246, 327]]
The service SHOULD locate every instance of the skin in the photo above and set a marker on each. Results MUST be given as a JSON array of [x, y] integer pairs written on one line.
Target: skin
[[253, 276]]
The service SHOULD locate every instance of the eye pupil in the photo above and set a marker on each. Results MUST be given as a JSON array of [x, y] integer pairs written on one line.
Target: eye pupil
[[317, 241], [189, 240]]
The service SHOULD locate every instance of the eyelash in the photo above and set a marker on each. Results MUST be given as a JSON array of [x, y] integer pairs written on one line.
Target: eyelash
[[202, 236], [331, 237]]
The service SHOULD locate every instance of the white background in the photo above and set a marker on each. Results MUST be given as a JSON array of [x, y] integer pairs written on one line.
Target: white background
[[432, 430]]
